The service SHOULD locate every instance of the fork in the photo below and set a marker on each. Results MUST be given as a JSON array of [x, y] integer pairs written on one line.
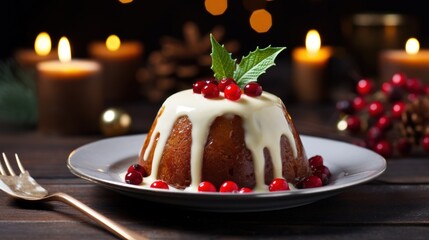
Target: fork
[[23, 186]]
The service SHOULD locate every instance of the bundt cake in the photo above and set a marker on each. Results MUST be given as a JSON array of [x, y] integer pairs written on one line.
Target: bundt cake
[[227, 133], [250, 141]]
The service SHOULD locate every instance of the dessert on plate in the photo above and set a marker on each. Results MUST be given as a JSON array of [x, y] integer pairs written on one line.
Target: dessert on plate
[[226, 134]]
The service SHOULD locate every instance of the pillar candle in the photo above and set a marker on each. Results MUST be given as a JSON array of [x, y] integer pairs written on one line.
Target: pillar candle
[[412, 61], [308, 69], [29, 58], [120, 64], [70, 96]]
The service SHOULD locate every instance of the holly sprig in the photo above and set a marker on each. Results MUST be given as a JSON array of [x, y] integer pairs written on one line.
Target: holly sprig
[[248, 69]]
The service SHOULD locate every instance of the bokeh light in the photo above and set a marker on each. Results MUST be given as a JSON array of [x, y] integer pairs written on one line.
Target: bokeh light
[[260, 20], [216, 7]]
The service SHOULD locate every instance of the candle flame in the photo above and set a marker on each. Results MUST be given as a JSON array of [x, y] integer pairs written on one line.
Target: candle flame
[[312, 41], [113, 42], [64, 52], [42, 44], [412, 46]]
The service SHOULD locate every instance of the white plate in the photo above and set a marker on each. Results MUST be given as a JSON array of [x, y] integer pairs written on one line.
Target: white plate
[[105, 162]]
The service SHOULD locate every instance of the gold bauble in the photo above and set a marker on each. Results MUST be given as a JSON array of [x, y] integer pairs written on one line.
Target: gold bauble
[[114, 122]]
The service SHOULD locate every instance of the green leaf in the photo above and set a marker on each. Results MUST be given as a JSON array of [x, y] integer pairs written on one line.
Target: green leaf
[[222, 63], [255, 64]]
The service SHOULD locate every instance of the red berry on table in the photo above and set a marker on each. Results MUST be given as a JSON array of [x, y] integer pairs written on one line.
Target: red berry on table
[[414, 85], [399, 79], [397, 109], [198, 86], [253, 89], [425, 142], [345, 106], [206, 187], [225, 82], [211, 90], [133, 177], [228, 186], [384, 148], [359, 103], [315, 161], [232, 92], [353, 123], [364, 86], [312, 182], [159, 184], [137, 167], [278, 184], [245, 190], [375, 109], [384, 123], [403, 146]]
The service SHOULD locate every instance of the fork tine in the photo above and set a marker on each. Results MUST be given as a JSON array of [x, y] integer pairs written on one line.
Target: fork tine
[[21, 168], [11, 172], [2, 171]]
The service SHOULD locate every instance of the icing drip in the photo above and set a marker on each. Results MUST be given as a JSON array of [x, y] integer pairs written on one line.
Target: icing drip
[[264, 124]]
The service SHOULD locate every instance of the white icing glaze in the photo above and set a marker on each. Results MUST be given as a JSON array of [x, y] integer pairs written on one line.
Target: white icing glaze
[[264, 124]]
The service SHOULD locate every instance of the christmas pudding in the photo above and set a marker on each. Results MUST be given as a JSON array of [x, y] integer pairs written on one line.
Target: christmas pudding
[[226, 135]]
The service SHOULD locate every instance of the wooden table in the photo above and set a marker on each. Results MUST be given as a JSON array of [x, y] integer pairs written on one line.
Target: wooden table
[[393, 206]]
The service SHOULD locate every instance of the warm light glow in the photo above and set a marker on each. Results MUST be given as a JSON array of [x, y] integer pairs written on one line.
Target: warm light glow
[[42, 45], [412, 46], [342, 125], [312, 41], [260, 20], [64, 51], [125, 1], [113, 43], [216, 7]]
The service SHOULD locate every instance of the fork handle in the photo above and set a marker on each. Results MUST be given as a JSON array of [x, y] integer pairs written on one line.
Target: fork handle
[[108, 224]]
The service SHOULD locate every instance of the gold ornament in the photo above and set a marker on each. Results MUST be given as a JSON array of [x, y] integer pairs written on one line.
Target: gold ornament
[[114, 122]]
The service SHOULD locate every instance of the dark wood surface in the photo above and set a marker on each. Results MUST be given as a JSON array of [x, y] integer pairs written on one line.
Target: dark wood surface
[[393, 206]]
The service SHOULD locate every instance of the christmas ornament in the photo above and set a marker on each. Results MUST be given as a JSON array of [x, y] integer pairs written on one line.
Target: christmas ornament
[[114, 122], [178, 64], [392, 120]]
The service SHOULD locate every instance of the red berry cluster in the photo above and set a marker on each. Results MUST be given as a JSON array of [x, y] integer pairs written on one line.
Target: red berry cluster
[[211, 88], [321, 174], [135, 175], [372, 113]]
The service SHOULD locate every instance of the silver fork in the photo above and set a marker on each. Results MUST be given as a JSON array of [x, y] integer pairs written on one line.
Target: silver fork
[[23, 186]]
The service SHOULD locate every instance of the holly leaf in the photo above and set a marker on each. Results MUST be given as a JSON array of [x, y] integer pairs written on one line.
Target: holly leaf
[[255, 64], [222, 63]]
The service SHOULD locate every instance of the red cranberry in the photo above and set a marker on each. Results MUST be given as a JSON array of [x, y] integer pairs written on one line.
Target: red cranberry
[[425, 89], [133, 177], [159, 184], [212, 80], [384, 148], [228, 186], [412, 97], [425, 142], [375, 109], [315, 161], [345, 106], [364, 86], [210, 91], [353, 124], [384, 123], [414, 85], [397, 109], [137, 167], [403, 146], [359, 103], [253, 89], [399, 79], [278, 184], [245, 190], [198, 86], [206, 187], [323, 173], [232, 92], [312, 182], [225, 82]]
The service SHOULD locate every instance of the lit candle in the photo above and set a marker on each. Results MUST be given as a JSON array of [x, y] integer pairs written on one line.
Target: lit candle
[[413, 61], [28, 58], [69, 94], [120, 62], [308, 68]]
